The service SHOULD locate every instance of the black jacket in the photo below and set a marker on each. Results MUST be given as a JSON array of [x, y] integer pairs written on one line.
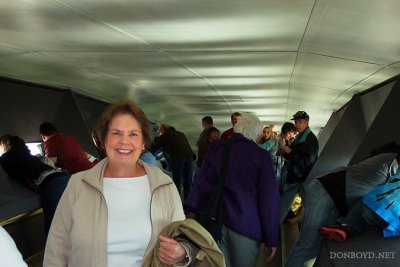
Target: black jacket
[[174, 144], [302, 159]]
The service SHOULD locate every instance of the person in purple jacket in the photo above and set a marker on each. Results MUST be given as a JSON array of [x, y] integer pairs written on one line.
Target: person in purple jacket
[[251, 203]]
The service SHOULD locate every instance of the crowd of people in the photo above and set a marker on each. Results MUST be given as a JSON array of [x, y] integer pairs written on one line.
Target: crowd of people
[[89, 215]]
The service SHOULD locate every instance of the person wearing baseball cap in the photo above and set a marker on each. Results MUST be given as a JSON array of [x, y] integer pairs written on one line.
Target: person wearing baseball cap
[[301, 156], [301, 115]]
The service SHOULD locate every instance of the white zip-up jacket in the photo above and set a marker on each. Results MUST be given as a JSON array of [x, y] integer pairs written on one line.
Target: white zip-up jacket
[[78, 234]]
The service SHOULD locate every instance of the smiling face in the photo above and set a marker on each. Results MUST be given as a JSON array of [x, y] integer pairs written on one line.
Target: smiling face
[[124, 141]]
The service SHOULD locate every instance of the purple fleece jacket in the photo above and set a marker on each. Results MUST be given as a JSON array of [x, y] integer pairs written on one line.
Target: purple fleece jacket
[[251, 200]]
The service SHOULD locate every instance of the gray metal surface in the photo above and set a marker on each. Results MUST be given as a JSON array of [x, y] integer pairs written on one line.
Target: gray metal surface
[[182, 60]]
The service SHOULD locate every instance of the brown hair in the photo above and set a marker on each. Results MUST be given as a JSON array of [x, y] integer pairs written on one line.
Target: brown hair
[[288, 127], [5, 141], [123, 107], [14, 143]]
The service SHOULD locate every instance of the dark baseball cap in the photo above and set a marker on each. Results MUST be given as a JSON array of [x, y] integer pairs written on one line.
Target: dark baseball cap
[[301, 115]]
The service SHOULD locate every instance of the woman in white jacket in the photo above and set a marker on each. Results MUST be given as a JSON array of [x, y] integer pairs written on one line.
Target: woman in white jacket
[[112, 214]]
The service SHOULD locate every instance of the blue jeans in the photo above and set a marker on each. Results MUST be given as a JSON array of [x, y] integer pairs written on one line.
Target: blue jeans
[[319, 209], [360, 217], [182, 173], [238, 250], [51, 191]]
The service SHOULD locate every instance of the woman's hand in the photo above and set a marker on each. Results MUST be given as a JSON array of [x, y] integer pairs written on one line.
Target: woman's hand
[[269, 253], [286, 149], [171, 252]]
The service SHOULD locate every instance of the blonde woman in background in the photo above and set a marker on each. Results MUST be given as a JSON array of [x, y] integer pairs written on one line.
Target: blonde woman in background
[[268, 140]]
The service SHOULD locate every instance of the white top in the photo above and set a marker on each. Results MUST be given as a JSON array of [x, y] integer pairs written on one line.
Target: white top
[[9, 254], [129, 224]]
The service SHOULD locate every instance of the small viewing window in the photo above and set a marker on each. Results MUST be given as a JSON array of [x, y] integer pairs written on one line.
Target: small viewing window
[[35, 148]]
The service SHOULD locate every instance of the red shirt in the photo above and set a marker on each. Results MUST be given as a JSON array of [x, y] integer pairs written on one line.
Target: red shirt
[[227, 134], [69, 153]]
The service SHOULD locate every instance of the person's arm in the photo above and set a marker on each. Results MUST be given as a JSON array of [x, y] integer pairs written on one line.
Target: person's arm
[[53, 159], [269, 203], [50, 150], [173, 252], [9, 254], [269, 253]]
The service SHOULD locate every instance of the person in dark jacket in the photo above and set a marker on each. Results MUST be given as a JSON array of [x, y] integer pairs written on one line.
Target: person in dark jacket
[[20, 165], [251, 203], [179, 155], [207, 136], [210, 135], [301, 156]]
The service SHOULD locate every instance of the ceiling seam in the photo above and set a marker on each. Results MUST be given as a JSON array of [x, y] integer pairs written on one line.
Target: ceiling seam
[[393, 65], [295, 62], [350, 88], [204, 79], [342, 58], [105, 23], [157, 49]]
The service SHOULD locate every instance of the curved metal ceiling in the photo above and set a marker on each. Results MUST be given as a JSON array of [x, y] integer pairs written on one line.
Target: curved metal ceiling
[[182, 60]]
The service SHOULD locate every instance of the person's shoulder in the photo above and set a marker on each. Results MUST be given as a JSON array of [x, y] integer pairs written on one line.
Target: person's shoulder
[[150, 168], [156, 176], [68, 137], [311, 138], [149, 158], [8, 250], [313, 135], [227, 131], [182, 134]]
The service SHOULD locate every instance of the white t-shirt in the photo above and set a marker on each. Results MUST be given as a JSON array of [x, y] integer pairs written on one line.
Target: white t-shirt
[[9, 254], [129, 224]]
